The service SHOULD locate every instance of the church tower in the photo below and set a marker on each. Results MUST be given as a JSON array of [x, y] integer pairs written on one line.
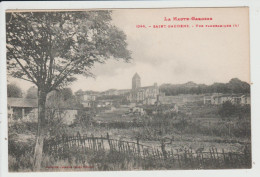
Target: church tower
[[136, 81]]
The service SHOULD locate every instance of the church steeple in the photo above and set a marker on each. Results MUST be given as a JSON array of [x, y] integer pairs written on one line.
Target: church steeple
[[136, 81]]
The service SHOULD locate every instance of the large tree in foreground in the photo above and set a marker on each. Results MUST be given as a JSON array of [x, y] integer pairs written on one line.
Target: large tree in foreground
[[50, 48], [14, 91]]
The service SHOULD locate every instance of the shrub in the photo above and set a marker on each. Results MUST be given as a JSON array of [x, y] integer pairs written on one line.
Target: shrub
[[227, 109]]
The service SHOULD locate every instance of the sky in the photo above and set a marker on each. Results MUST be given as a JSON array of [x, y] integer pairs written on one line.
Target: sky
[[175, 55]]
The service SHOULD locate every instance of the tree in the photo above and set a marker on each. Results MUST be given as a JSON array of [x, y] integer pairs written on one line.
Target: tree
[[50, 48], [62, 98], [227, 109], [14, 91], [238, 86], [233, 86], [32, 93], [67, 94]]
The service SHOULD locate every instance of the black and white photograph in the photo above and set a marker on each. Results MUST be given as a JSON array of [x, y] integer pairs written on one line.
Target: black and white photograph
[[128, 89]]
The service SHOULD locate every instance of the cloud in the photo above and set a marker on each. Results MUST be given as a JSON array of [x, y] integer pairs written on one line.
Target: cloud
[[110, 68]]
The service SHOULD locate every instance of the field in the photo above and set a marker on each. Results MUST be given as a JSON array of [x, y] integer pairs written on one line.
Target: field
[[194, 127], [203, 127]]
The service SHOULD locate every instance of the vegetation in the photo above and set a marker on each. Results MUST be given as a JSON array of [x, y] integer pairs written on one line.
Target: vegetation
[[32, 93], [49, 48], [180, 127], [233, 86], [228, 109], [14, 91]]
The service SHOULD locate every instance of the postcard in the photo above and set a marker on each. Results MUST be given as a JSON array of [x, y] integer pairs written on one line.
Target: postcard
[[128, 89]]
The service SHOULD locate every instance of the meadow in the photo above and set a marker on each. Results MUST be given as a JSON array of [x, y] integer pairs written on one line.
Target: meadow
[[195, 126]]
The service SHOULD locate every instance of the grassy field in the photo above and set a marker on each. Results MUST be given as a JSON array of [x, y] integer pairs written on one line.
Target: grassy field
[[195, 126], [203, 128]]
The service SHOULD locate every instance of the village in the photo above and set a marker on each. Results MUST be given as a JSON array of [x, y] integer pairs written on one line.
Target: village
[[177, 124], [136, 101]]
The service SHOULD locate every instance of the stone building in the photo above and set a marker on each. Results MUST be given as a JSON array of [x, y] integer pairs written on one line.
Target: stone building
[[136, 82], [242, 99], [144, 95], [23, 109]]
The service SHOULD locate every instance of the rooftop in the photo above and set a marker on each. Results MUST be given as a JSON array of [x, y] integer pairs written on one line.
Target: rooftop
[[22, 102], [136, 76]]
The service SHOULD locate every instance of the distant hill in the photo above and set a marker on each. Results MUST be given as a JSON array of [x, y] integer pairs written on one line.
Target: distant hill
[[90, 92], [233, 86]]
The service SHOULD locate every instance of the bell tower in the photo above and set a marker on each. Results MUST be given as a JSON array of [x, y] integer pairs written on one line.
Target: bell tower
[[136, 81]]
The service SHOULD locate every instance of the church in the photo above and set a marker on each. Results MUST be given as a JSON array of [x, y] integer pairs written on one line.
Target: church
[[144, 95]]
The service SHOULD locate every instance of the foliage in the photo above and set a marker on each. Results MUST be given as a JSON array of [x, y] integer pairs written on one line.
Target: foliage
[[83, 119], [23, 127], [233, 86], [56, 126], [49, 48], [66, 93], [62, 98], [14, 91], [32, 93], [228, 109], [19, 153]]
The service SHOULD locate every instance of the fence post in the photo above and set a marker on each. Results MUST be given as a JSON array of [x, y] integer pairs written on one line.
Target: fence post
[[78, 138], [138, 147], [163, 149], [109, 143], [172, 155], [230, 159], [217, 157], [153, 153], [211, 157], [128, 148], [178, 158], [94, 142], [191, 157], [224, 158], [102, 143], [198, 159]]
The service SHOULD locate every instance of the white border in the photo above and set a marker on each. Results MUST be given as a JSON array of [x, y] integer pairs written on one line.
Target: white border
[[254, 6]]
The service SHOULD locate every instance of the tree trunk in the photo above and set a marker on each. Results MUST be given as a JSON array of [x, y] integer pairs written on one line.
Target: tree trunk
[[40, 131]]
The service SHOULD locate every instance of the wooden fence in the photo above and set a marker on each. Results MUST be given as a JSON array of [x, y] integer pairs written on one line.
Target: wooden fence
[[180, 159]]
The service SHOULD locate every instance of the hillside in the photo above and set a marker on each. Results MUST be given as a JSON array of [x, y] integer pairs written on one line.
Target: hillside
[[233, 86]]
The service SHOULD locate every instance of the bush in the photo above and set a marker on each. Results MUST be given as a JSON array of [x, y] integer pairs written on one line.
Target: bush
[[83, 119], [20, 156], [228, 109], [23, 128]]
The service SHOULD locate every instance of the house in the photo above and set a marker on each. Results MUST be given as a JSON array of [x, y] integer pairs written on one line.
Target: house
[[245, 99], [87, 104], [22, 108], [137, 110], [149, 101], [233, 98], [207, 99], [27, 110], [88, 97], [111, 92], [220, 99], [180, 99], [104, 103]]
